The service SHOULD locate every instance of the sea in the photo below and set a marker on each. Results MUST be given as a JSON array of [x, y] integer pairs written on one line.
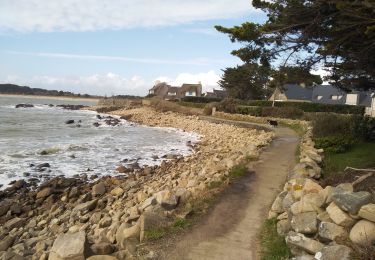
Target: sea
[[37, 135]]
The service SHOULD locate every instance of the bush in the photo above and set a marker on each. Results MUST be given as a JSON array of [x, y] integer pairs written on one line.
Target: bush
[[364, 128], [282, 112], [228, 105], [164, 106], [191, 104], [309, 107], [331, 125], [335, 144], [247, 110], [207, 110], [201, 99]]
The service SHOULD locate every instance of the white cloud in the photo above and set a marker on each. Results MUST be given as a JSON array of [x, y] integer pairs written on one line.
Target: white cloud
[[110, 83], [196, 61], [91, 15]]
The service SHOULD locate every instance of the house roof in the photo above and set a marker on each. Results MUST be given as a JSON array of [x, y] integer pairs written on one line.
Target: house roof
[[173, 89], [296, 92], [326, 92], [190, 87]]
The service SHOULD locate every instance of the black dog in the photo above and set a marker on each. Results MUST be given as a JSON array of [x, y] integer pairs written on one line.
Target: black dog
[[273, 123]]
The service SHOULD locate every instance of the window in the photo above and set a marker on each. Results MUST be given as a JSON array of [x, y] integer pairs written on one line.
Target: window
[[172, 93], [334, 97], [317, 97]]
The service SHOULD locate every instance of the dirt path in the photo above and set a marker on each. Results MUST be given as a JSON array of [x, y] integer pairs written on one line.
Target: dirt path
[[231, 228]]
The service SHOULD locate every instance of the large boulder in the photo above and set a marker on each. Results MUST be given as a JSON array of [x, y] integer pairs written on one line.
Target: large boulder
[[44, 193], [339, 216], [305, 223], [331, 231], [117, 192], [367, 212], [304, 243], [98, 189], [69, 246], [335, 252], [363, 233], [124, 233], [351, 201], [166, 199], [87, 206]]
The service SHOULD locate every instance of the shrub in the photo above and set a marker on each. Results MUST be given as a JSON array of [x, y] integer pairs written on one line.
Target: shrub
[[335, 144], [309, 107], [331, 124], [283, 112], [248, 110], [364, 128], [164, 106], [228, 105], [191, 104], [201, 99], [207, 110]]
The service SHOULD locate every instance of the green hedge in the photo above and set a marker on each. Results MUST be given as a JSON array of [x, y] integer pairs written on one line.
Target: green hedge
[[249, 110], [201, 99], [308, 106]]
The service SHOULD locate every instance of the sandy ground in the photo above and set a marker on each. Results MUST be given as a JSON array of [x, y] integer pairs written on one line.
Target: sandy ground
[[231, 229]]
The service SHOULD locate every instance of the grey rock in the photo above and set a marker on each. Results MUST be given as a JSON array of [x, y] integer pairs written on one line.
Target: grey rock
[[331, 231], [335, 252], [304, 243], [351, 201], [305, 223]]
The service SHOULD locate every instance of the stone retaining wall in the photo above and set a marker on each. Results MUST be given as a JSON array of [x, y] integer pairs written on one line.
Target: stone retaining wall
[[322, 223]]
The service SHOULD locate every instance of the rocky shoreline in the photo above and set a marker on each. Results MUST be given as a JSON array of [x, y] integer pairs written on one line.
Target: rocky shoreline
[[72, 218]]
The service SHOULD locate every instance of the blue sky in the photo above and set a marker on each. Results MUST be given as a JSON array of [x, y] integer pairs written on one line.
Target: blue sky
[[117, 46]]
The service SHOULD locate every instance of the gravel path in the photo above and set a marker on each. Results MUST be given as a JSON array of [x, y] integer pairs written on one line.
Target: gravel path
[[231, 229]]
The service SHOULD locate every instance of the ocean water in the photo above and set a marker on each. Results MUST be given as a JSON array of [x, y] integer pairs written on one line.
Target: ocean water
[[71, 150]]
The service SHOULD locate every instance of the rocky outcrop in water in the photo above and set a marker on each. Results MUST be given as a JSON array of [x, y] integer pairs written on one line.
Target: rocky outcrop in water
[[24, 105]]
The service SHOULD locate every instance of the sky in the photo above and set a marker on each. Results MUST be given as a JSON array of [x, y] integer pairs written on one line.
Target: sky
[[117, 47]]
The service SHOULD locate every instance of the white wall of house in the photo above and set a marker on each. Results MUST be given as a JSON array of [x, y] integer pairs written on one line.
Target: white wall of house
[[352, 99], [370, 111], [191, 94]]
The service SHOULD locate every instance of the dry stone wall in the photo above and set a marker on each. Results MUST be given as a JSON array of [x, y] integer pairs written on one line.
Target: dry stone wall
[[322, 223]]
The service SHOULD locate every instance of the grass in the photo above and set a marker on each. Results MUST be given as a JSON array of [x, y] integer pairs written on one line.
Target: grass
[[215, 184], [181, 223], [238, 171], [296, 127], [273, 246], [251, 158], [361, 155], [155, 233]]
